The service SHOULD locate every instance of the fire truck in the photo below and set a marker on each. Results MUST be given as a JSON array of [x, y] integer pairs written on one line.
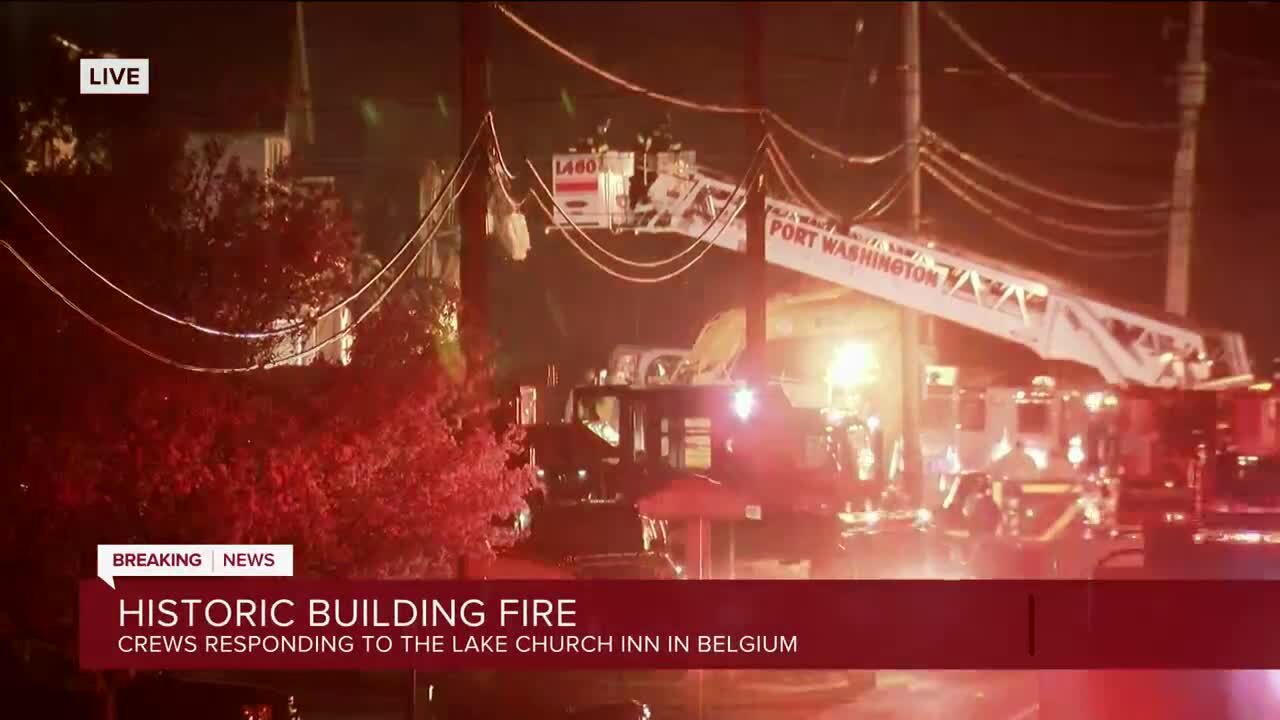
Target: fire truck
[[832, 350], [1199, 472], [854, 372], [625, 442]]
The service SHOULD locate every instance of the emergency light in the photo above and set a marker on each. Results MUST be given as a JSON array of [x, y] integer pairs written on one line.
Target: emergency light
[[744, 403]]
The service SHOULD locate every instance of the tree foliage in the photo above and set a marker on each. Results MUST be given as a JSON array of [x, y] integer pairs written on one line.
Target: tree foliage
[[388, 467]]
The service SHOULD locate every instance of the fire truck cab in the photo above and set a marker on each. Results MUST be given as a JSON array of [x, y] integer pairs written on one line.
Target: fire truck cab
[[1199, 473], [728, 432], [967, 429], [803, 467]]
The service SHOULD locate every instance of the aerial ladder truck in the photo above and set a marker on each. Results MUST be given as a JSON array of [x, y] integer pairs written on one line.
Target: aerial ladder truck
[[1126, 345]]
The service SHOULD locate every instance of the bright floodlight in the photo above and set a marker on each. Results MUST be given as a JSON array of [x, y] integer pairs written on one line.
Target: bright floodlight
[[1093, 401], [744, 403], [854, 364], [1075, 451]]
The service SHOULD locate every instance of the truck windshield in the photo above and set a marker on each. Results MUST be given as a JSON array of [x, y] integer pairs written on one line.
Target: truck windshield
[[661, 369], [600, 415]]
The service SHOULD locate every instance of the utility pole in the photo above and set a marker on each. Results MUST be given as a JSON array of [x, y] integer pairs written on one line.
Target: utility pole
[[912, 474], [757, 289], [473, 316], [1191, 97], [13, 18], [304, 74]]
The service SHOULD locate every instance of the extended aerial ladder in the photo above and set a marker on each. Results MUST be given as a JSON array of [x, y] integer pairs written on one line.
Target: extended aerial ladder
[[1126, 345]]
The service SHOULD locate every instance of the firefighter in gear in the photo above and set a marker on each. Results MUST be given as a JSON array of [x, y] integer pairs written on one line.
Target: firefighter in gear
[[1016, 465], [603, 419]]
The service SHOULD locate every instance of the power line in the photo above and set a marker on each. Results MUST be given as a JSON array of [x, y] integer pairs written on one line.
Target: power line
[[828, 149], [665, 261], [1020, 80], [165, 359], [787, 173], [1029, 234], [261, 334], [632, 279], [884, 202], [1046, 219], [737, 208], [693, 104], [1029, 186]]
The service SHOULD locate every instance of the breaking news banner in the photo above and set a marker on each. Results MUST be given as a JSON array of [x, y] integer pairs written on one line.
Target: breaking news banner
[[227, 623], [193, 560]]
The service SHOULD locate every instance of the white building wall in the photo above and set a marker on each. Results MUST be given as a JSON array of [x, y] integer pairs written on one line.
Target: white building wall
[[260, 152]]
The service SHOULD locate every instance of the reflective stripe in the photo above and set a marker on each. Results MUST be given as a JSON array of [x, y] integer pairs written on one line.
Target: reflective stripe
[[1061, 523], [1048, 488]]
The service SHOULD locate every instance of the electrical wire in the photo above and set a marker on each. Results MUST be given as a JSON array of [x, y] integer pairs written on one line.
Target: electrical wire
[[633, 279], [784, 169], [497, 149], [687, 104], [516, 205], [165, 359], [829, 150], [1043, 95], [261, 334], [787, 188], [665, 261], [615, 79], [638, 280], [1029, 186], [885, 201], [501, 172], [1047, 220], [877, 208], [1030, 235]]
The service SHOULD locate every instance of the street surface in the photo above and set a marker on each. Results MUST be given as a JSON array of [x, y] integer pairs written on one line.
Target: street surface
[[899, 695], [942, 695]]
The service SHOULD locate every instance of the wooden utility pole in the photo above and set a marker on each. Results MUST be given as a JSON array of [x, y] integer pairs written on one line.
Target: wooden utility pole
[[1191, 97], [912, 391], [13, 20], [304, 74], [473, 316], [757, 264]]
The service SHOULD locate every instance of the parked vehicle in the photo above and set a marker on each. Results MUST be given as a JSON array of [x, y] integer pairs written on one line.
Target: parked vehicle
[[625, 566], [162, 697]]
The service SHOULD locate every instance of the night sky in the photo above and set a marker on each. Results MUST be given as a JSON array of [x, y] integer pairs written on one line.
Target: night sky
[[385, 83]]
